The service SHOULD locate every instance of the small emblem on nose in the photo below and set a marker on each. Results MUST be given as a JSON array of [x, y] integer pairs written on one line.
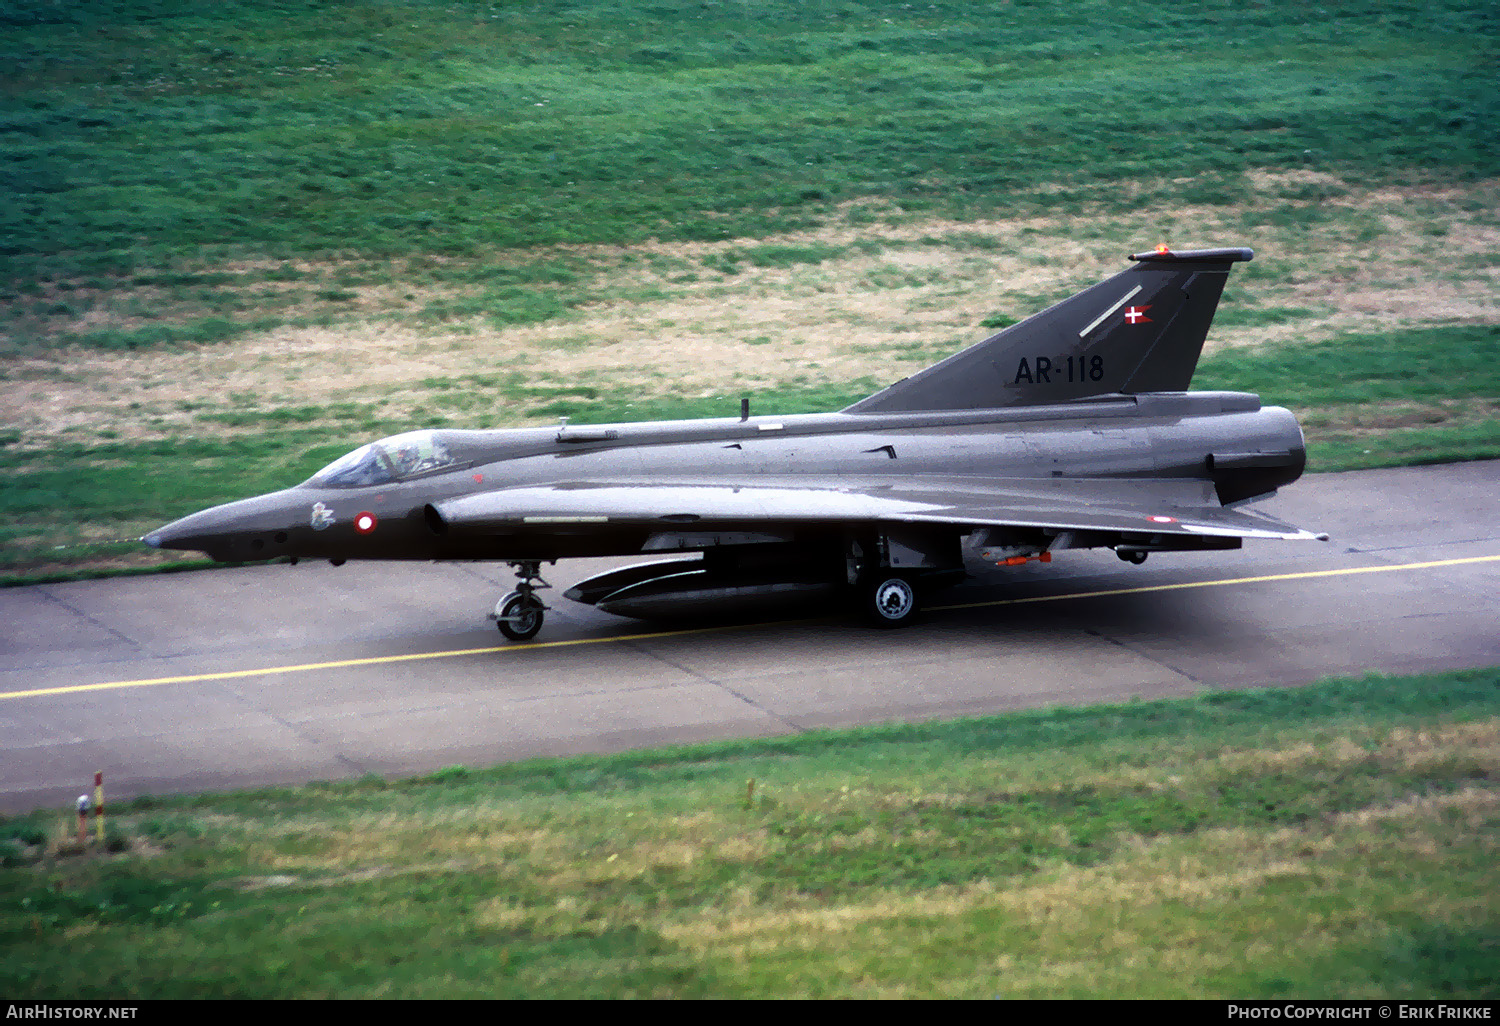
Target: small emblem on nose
[[321, 518]]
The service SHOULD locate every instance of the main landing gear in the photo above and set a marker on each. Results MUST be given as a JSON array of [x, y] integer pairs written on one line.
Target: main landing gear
[[519, 614], [888, 575], [889, 599]]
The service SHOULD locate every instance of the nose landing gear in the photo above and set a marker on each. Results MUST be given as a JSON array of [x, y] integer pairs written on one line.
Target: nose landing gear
[[519, 615]]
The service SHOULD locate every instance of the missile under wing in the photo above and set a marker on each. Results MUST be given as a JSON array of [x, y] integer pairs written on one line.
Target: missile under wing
[[1072, 429]]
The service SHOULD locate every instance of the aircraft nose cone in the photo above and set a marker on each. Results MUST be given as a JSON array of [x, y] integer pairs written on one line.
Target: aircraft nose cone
[[179, 534], [188, 533], [229, 532]]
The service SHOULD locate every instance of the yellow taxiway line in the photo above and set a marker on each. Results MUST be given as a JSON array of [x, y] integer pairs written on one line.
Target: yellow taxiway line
[[1302, 575], [452, 653]]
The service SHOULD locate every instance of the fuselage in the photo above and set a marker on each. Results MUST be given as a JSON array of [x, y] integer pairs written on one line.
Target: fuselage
[[1244, 449]]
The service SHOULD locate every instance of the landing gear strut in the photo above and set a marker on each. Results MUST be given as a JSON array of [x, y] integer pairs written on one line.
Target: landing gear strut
[[519, 614]]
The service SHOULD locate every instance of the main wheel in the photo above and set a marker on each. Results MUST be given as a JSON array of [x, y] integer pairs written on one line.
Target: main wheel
[[890, 600], [1135, 556], [519, 617]]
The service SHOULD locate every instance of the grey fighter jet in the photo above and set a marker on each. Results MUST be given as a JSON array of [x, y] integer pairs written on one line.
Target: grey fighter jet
[[1072, 429]]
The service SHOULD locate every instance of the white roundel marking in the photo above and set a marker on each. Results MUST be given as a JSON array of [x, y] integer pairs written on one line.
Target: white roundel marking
[[364, 523], [1162, 520]]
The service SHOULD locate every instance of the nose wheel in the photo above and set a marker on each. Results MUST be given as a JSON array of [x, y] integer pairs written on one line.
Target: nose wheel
[[519, 615]]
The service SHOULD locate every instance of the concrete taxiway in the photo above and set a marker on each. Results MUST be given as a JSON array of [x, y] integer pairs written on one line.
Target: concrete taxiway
[[281, 674]]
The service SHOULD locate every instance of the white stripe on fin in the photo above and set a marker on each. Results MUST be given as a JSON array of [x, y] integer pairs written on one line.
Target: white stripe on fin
[[1100, 319]]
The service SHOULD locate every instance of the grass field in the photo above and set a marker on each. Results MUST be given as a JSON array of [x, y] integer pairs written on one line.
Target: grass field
[[235, 241], [1338, 840], [141, 132]]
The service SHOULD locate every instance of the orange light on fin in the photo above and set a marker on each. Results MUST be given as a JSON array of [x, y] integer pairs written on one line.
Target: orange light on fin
[[1162, 248]]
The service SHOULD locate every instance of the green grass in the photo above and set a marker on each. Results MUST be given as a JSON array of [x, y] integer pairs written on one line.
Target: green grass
[[1410, 365], [139, 134], [1336, 840], [1346, 450], [206, 330]]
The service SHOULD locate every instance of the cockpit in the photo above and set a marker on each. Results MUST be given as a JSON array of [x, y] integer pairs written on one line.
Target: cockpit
[[391, 459]]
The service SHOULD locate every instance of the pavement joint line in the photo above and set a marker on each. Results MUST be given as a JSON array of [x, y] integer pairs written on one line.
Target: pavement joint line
[[616, 639]]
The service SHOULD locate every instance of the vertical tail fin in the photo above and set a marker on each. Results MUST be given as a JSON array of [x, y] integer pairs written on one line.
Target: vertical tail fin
[[1140, 331]]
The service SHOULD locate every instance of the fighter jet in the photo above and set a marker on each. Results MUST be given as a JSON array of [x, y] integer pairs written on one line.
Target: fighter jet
[[1072, 429]]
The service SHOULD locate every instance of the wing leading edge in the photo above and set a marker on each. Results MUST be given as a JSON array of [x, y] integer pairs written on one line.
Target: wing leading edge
[[1155, 506]]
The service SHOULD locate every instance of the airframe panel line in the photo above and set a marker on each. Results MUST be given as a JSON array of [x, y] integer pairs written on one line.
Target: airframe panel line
[[377, 660]]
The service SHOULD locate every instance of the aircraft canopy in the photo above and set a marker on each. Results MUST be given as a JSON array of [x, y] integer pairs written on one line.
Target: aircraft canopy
[[390, 459]]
